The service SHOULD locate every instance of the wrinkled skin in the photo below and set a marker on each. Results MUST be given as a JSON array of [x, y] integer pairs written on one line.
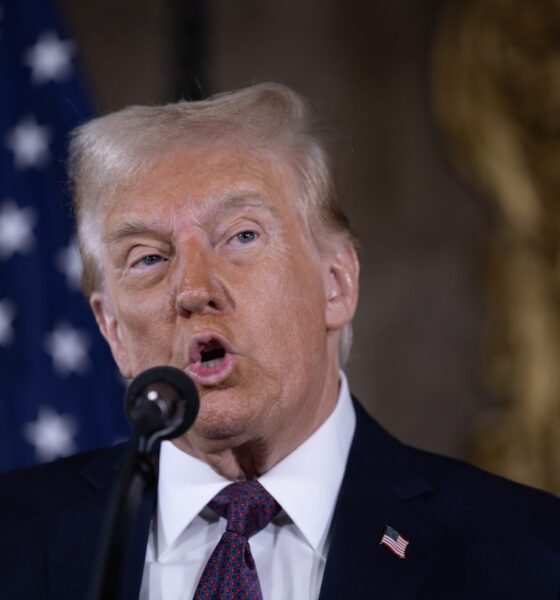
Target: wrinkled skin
[[208, 242]]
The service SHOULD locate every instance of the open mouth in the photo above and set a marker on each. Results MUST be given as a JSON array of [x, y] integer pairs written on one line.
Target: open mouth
[[210, 359], [212, 355]]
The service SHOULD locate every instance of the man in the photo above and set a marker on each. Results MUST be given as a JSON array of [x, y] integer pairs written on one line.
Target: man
[[212, 242]]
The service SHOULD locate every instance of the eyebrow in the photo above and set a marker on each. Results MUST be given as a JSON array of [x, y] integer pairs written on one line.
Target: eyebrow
[[132, 227], [243, 198], [229, 201]]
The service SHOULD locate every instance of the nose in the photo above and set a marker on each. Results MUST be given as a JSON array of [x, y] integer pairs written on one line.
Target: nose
[[200, 287]]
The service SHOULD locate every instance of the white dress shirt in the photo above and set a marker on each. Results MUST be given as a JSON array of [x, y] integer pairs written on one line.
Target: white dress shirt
[[289, 553]]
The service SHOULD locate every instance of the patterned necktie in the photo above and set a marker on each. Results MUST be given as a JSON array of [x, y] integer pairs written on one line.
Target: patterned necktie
[[230, 573]]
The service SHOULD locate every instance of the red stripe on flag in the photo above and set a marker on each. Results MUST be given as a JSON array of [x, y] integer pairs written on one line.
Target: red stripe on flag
[[397, 546]]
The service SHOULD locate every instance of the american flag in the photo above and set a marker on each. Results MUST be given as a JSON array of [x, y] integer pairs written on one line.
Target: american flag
[[394, 541], [59, 389]]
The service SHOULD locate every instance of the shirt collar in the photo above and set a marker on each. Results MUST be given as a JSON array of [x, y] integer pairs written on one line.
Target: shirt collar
[[185, 486], [305, 483]]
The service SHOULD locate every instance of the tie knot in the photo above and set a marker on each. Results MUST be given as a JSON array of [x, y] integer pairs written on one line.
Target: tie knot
[[247, 506]]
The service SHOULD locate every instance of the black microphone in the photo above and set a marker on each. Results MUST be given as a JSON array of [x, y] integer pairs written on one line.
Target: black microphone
[[161, 402]]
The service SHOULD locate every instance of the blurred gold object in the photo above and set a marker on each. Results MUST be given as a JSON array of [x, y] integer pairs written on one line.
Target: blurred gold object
[[496, 66]]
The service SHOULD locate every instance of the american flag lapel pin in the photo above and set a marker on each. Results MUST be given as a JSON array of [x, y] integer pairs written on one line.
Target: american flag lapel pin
[[394, 541]]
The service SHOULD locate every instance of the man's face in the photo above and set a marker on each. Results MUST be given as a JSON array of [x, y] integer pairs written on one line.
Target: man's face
[[207, 268]]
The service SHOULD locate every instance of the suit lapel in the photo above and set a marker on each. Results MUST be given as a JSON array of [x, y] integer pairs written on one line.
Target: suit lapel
[[134, 566], [376, 492], [75, 532]]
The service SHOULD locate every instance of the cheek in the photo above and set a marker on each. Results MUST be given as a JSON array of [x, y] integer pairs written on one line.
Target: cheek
[[143, 319], [289, 306]]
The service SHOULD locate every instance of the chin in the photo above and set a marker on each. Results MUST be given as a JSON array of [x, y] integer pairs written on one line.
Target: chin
[[222, 424]]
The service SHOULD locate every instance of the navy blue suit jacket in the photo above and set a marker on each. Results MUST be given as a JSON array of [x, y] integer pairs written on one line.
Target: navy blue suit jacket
[[471, 535]]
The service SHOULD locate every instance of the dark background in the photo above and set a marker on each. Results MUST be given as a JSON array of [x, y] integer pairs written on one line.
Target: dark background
[[365, 66]]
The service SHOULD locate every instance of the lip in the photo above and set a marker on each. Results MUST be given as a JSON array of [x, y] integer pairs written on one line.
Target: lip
[[209, 375]]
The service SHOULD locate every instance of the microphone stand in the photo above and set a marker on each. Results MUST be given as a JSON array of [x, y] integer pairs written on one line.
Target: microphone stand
[[136, 478], [161, 403]]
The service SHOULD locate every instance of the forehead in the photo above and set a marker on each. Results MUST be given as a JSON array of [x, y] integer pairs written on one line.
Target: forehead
[[210, 177]]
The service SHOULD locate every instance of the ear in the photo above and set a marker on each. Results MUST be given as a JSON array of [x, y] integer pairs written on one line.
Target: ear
[[341, 287], [109, 327]]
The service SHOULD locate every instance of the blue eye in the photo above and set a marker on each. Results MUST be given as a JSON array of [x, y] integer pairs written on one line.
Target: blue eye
[[151, 259], [245, 237]]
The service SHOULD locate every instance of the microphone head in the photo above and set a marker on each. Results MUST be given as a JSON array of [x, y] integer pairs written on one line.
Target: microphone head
[[161, 402]]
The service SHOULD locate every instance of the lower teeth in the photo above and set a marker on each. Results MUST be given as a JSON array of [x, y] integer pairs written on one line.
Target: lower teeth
[[213, 363]]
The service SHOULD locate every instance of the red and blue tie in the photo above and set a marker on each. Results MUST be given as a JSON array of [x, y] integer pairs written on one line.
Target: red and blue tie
[[230, 573]]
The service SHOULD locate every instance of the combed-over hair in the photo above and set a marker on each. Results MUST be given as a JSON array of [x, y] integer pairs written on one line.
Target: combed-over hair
[[109, 152]]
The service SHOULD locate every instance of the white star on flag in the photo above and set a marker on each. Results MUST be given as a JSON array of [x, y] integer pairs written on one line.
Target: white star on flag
[[68, 348], [49, 58], [16, 229], [68, 261], [51, 434], [7, 314], [29, 143]]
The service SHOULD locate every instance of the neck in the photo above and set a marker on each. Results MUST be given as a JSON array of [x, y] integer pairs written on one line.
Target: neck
[[239, 463]]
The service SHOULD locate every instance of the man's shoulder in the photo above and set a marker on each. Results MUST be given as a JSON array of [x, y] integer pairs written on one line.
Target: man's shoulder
[[475, 502], [50, 518], [45, 488], [460, 498]]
